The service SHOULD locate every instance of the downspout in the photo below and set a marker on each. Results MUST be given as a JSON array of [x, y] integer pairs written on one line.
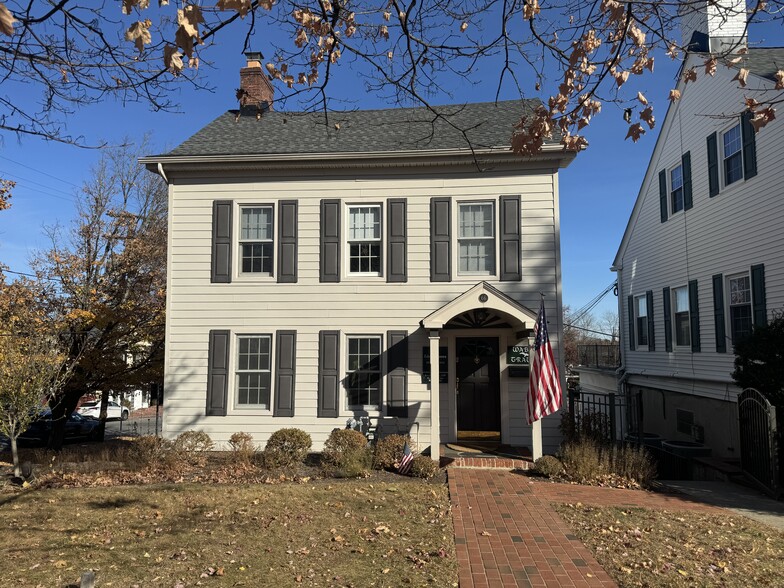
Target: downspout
[[621, 372]]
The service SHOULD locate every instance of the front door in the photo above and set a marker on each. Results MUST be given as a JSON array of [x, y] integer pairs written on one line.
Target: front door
[[478, 391]]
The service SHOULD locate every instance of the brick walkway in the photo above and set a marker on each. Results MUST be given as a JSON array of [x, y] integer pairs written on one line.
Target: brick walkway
[[507, 534]]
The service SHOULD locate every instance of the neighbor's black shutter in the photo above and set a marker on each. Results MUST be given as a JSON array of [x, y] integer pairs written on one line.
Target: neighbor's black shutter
[[328, 373], [397, 264], [287, 241], [686, 167], [713, 165], [667, 319], [630, 305], [718, 313], [329, 254], [285, 373], [760, 311], [220, 267], [749, 146], [397, 373], [218, 373], [651, 335], [663, 195], [440, 239], [694, 316], [511, 270]]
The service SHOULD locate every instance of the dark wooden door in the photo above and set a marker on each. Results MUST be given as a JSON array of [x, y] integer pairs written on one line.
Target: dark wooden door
[[478, 392]]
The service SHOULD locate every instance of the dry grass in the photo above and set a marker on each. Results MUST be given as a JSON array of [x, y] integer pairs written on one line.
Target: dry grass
[[348, 533], [641, 547]]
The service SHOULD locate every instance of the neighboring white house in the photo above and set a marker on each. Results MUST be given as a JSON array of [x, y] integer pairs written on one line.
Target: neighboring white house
[[702, 258], [319, 272]]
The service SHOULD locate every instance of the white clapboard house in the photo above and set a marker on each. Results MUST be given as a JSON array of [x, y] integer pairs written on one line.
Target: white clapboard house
[[378, 265], [702, 258]]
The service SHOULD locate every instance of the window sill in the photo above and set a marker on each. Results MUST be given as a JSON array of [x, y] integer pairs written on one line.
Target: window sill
[[250, 411]]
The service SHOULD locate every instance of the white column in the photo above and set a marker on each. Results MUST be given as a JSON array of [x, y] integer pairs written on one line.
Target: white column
[[435, 393], [536, 439]]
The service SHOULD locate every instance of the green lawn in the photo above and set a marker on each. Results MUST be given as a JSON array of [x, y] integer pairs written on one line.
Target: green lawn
[[337, 533]]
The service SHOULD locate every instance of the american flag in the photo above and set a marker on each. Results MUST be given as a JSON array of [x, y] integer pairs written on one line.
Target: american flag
[[405, 462], [544, 385]]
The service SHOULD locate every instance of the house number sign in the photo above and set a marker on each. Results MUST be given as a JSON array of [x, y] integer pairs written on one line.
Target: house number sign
[[518, 355]]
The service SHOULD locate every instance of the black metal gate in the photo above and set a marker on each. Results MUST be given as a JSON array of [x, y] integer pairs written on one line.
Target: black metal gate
[[759, 440]]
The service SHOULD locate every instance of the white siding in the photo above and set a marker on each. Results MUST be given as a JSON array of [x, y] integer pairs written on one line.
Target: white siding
[[353, 306]]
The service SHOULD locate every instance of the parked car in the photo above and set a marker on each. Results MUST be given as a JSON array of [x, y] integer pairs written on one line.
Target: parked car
[[113, 411], [76, 427]]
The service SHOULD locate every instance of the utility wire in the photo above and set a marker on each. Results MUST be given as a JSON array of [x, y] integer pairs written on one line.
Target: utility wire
[[38, 171]]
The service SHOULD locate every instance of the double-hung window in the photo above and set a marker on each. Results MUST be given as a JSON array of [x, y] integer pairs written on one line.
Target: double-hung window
[[364, 239], [676, 189], [476, 238], [732, 142], [256, 240], [253, 371], [681, 323], [740, 307], [363, 381], [641, 319]]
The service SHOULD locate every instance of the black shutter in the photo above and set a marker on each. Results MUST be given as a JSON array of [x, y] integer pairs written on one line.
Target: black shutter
[[329, 254], [718, 313], [694, 316], [686, 167], [649, 308], [759, 310], [287, 241], [397, 373], [440, 239], [328, 372], [397, 264], [510, 232], [220, 267], [630, 300], [218, 373], [749, 146], [667, 319], [663, 195], [285, 373], [713, 165]]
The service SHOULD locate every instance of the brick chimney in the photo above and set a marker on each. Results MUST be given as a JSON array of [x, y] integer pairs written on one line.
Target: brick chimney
[[715, 26], [255, 89]]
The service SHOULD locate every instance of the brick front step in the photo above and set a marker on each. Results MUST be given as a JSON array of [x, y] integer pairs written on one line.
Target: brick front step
[[486, 463]]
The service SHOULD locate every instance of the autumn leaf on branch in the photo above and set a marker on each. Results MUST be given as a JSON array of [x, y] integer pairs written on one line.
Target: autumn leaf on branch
[[241, 6], [675, 95], [172, 59], [741, 77], [463, 27], [641, 97], [531, 9], [780, 80], [710, 66], [762, 118], [139, 34], [7, 20], [647, 116], [690, 75], [635, 132]]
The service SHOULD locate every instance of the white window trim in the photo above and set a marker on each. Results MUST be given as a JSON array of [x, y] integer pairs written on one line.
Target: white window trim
[[638, 346], [370, 409], [673, 308], [457, 275], [238, 274], [252, 409], [720, 147], [728, 301], [670, 206], [346, 272]]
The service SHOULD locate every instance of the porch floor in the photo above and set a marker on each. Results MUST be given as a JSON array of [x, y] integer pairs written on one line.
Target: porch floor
[[473, 455]]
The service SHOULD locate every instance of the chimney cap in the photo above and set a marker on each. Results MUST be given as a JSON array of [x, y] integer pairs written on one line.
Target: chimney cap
[[254, 55]]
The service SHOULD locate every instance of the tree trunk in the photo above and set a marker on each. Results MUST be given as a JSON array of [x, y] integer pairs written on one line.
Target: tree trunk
[[62, 408], [15, 454], [102, 415]]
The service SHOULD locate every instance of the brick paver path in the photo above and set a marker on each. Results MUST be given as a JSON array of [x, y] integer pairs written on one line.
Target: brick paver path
[[507, 534]]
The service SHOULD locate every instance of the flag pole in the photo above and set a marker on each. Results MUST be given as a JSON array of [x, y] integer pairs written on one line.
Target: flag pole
[[536, 426]]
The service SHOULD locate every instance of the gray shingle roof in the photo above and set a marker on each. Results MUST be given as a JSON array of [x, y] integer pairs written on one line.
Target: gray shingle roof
[[764, 61], [487, 124]]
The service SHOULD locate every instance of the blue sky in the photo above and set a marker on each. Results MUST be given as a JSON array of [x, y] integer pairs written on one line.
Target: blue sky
[[597, 190]]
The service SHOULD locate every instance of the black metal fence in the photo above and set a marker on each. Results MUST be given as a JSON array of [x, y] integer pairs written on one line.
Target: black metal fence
[[604, 417], [759, 441], [599, 355]]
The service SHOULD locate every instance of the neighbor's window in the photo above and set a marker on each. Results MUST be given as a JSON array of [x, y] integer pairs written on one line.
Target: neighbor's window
[[476, 238], [740, 307], [676, 189], [681, 324], [256, 247], [641, 316], [363, 381], [364, 239], [253, 370], [733, 155]]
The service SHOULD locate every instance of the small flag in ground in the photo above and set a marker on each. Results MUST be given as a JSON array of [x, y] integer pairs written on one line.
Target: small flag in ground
[[544, 385], [405, 462]]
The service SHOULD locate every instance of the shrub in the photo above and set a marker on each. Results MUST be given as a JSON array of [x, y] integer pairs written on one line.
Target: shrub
[[588, 461], [346, 454], [634, 463], [424, 467], [287, 448], [243, 450], [584, 461], [548, 465], [150, 450], [190, 447], [389, 450]]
